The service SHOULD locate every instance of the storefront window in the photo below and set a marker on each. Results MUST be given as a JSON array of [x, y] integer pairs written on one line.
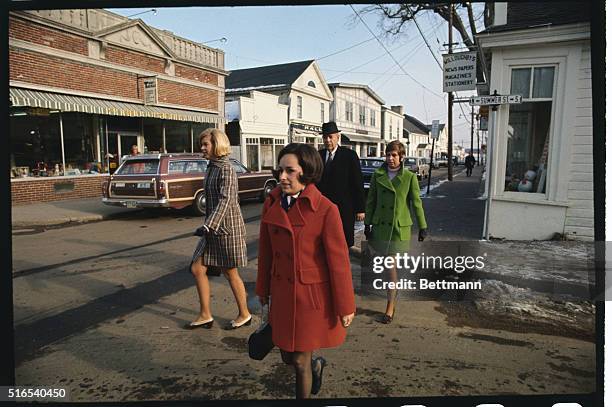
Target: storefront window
[[178, 138], [267, 153], [529, 130], [79, 144], [152, 132], [528, 139], [251, 157], [35, 143]]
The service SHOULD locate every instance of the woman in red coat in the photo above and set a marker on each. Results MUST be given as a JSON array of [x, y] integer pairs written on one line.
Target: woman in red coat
[[304, 267]]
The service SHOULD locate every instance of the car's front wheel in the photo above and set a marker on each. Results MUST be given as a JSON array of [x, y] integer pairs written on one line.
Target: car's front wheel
[[266, 191], [199, 204]]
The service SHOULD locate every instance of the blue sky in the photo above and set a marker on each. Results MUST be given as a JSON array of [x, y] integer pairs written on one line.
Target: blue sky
[[259, 36]]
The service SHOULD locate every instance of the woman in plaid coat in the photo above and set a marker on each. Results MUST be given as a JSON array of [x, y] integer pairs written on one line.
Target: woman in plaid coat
[[223, 242]]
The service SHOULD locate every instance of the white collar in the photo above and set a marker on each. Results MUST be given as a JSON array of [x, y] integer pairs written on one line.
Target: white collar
[[333, 152]]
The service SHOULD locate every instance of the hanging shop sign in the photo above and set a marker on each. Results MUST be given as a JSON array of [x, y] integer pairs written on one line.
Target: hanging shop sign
[[459, 71], [150, 91]]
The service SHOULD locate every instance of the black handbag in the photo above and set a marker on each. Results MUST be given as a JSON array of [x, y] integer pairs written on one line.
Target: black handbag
[[260, 341]]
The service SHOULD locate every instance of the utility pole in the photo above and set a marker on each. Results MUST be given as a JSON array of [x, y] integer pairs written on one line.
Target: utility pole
[[450, 96]]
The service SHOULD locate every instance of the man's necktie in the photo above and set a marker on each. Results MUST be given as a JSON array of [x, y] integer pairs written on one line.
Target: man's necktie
[[329, 160]]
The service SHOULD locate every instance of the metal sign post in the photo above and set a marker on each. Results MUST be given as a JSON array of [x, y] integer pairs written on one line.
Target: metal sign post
[[435, 134]]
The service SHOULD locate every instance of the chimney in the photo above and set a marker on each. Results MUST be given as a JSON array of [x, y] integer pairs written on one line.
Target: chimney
[[398, 109], [500, 14]]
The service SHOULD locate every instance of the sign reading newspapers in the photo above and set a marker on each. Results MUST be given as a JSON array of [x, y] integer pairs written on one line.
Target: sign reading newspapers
[[459, 71], [495, 100], [435, 129], [150, 91]]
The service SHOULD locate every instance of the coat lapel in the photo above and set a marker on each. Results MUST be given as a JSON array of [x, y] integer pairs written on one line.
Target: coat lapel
[[276, 215], [383, 178]]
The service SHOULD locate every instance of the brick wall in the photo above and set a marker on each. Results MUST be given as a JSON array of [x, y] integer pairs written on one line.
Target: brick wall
[[36, 190], [49, 37], [195, 74], [134, 59], [187, 95], [35, 68], [32, 67]]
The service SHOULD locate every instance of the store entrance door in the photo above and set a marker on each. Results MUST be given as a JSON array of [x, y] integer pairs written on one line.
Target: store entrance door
[[119, 145], [126, 141]]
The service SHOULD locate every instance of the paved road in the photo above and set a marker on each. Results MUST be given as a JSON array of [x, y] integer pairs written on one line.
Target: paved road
[[99, 309]]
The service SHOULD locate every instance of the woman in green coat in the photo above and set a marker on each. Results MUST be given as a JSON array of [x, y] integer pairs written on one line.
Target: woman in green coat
[[393, 189]]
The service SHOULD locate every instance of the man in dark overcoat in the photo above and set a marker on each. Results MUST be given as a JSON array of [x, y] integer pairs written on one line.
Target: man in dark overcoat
[[342, 181]]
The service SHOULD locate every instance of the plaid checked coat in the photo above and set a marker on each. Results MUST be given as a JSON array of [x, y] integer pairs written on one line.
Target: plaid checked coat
[[224, 245]]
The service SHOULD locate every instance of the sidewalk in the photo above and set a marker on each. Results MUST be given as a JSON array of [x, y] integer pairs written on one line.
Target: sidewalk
[[454, 212], [62, 212]]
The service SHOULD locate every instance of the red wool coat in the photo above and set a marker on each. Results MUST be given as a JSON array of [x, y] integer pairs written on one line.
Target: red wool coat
[[304, 266]]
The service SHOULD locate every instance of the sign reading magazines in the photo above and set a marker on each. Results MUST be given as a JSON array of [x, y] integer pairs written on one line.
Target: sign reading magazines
[[150, 91], [459, 71]]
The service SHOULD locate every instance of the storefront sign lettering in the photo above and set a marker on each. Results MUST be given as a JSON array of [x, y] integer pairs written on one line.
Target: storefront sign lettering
[[459, 71]]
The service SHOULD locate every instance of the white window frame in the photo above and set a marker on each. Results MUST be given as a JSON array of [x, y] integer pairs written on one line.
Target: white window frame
[[566, 59]]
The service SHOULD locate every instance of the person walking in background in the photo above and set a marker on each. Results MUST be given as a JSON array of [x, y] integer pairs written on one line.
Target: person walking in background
[[304, 269], [470, 162], [134, 150], [392, 189], [342, 181], [223, 242]]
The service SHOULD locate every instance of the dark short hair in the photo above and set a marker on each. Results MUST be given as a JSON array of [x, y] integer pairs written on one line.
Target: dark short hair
[[308, 158], [396, 145]]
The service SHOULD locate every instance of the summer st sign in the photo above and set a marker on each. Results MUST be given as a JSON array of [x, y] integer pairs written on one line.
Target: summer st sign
[[496, 100]]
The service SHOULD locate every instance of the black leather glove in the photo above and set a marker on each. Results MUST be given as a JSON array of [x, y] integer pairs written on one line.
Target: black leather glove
[[199, 231], [367, 231], [422, 234]]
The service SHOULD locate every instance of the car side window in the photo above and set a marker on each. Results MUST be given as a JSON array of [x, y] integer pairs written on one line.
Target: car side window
[[195, 167], [238, 168], [176, 167]]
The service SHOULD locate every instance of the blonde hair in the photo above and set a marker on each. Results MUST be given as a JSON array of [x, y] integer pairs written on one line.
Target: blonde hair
[[219, 140]]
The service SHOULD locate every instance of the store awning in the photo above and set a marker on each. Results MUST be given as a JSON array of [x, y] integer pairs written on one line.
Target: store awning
[[361, 139], [422, 146], [69, 103]]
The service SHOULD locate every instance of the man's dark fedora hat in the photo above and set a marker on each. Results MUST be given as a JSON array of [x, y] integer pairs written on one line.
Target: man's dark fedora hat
[[329, 128]]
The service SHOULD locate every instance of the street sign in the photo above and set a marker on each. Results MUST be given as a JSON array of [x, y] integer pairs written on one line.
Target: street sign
[[459, 71], [495, 100], [435, 129]]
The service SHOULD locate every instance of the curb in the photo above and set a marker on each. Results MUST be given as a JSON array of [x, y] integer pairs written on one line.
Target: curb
[[66, 220], [546, 286]]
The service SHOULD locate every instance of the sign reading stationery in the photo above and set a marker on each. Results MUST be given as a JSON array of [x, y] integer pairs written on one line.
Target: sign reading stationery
[[459, 71]]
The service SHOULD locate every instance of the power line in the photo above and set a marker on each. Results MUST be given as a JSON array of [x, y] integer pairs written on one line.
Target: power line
[[424, 39], [364, 64], [345, 49], [391, 55]]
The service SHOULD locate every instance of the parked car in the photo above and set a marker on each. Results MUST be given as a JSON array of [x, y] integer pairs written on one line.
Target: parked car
[[436, 163], [368, 166], [418, 165], [175, 181]]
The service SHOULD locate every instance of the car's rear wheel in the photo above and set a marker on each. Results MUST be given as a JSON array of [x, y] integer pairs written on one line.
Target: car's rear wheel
[[199, 204], [266, 191]]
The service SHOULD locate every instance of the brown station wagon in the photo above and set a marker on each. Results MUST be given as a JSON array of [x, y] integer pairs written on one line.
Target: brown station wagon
[[175, 181]]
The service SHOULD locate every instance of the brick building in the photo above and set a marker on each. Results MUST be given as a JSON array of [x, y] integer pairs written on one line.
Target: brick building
[[86, 85]]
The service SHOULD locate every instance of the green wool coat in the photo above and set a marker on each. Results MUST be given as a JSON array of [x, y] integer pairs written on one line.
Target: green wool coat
[[388, 205]]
